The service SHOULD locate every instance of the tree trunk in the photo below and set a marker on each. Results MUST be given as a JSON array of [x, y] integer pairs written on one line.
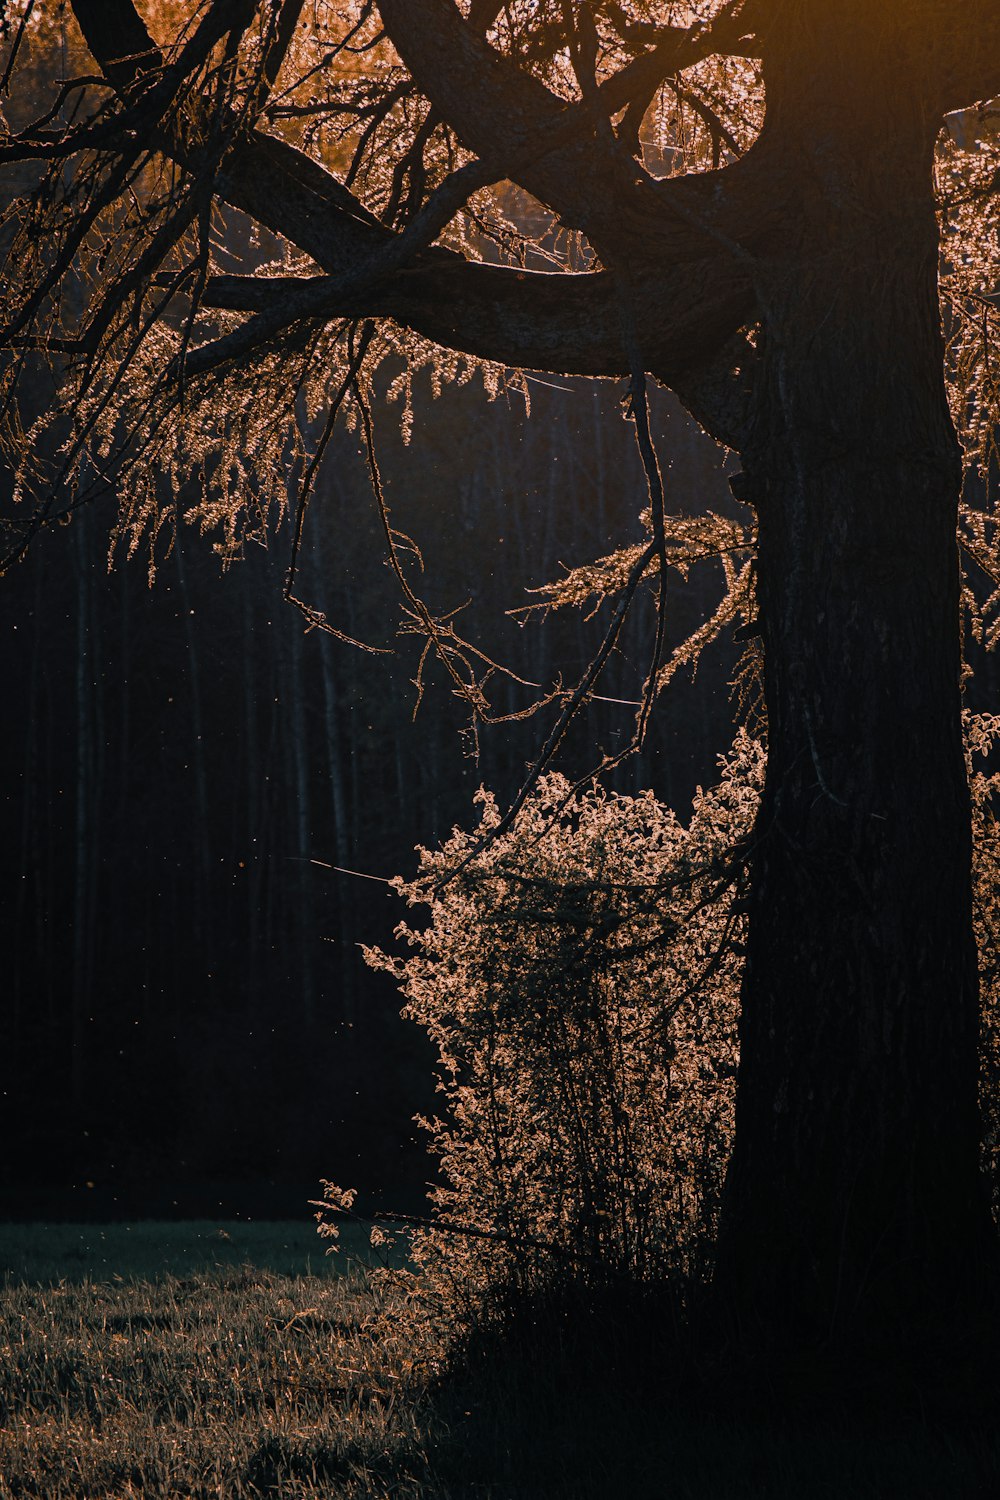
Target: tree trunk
[[854, 1203]]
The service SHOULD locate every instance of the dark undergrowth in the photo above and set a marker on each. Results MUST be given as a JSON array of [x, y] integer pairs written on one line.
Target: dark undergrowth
[[244, 1382], [629, 1394]]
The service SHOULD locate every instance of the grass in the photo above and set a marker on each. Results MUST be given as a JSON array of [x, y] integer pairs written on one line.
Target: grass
[[149, 1250], [199, 1360], [235, 1361]]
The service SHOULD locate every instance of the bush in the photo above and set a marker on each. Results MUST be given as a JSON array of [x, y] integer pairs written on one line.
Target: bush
[[579, 977]]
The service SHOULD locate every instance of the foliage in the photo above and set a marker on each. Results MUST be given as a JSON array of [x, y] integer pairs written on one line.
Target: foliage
[[113, 265], [126, 214], [196, 450], [159, 286], [579, 976], [125, 261]]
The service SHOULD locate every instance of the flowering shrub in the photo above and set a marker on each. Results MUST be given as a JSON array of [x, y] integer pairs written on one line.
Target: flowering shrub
[[579, 977]]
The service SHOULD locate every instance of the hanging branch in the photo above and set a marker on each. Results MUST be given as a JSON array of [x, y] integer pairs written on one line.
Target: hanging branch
[[583, 44], [448, 646], [315, 618]]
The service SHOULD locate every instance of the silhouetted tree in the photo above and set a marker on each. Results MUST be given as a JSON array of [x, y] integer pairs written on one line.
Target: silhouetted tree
[[745, 200]]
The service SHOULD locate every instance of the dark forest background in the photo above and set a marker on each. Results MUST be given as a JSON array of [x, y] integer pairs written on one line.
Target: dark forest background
[[188, 1022]]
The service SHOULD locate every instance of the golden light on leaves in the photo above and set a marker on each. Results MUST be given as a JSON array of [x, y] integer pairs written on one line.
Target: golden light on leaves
[[579, 980]]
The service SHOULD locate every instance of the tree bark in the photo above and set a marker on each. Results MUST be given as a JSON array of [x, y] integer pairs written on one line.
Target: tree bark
[[854, 1203]]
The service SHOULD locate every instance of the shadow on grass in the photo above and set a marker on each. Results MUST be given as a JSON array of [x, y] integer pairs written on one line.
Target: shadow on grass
[[622, 1398]]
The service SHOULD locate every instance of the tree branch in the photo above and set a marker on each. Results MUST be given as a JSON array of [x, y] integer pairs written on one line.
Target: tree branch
[[675, 49], [549, 146], [555, 322], [691, 293]]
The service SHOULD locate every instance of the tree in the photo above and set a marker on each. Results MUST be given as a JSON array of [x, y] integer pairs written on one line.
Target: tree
[[743, 199]]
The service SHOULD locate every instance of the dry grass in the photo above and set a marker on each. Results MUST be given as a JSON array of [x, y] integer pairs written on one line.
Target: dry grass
[[242, 1382], [231, 1382]]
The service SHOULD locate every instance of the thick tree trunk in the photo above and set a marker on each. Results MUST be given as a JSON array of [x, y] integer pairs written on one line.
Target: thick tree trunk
[[854, 1204]]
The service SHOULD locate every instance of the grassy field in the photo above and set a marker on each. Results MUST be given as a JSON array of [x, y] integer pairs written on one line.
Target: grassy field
[[198, 1359], [235, 1361], [149, 1250]]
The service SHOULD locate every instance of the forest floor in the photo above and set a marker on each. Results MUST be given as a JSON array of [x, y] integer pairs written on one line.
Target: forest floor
[[233, 1360]]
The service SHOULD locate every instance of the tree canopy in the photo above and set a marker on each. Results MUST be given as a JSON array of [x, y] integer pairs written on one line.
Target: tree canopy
[[309, 191]]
